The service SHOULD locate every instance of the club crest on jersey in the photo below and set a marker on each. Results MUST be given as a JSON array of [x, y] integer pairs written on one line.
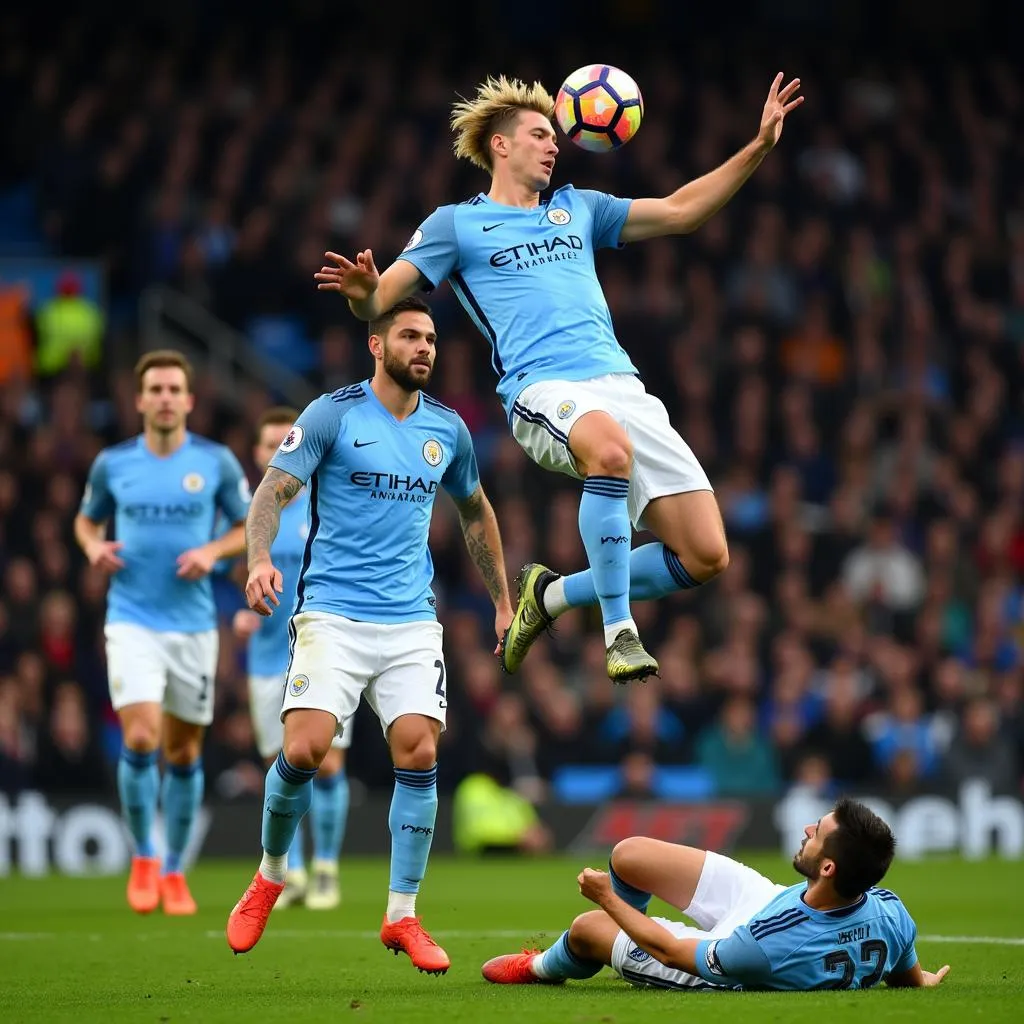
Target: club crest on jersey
[[639, 955], [298, 685], [566, 409], [292, 440], [559, 217], [193, 483], [433, 452], [417, 237]]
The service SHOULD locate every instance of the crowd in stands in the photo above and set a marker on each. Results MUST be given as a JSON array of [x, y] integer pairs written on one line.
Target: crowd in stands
[[842, 347]]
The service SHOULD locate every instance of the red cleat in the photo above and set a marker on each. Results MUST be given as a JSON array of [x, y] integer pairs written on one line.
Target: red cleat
[[514, 969], [174, 895], [144, 885], [409, 936], [247, 921]]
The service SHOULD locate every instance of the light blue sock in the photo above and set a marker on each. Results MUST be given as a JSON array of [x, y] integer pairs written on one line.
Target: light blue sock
[[654, 571], [413, 810], [605, 530], [329, 813], [182, 797], [138, 784], [560, 962], [296, 861], [286, 799], [628, 893]]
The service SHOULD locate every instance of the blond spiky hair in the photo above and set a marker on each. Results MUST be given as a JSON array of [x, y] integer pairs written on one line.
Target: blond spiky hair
[[497, 103]]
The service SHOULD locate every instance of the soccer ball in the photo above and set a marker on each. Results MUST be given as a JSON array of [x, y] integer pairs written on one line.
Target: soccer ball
[[599, 107]]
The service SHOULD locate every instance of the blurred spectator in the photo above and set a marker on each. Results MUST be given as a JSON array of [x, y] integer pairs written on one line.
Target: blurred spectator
[[979, 752], [69, 759], [69, 329], [739, 759], [15, 334]]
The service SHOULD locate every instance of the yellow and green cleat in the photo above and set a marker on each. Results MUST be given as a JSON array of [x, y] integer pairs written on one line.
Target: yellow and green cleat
[[628, 660], [530, 619]]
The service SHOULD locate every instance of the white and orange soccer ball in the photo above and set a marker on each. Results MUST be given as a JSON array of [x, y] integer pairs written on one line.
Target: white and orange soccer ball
[[599, 107]]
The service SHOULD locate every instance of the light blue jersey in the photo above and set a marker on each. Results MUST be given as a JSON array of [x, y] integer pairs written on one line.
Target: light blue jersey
[[268, 646], [372, 482], [790, 947], [527, 280], [162, 506]]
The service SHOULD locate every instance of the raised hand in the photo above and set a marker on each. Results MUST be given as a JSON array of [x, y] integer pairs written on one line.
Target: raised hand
[[595, 885], [355, 280], [779, 103]]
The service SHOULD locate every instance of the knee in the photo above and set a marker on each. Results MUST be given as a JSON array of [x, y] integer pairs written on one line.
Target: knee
[[584, 937], [140, 738], [302, 751], [416, 752], [612, 457], [628, 855], [705, 557], [184, 751]]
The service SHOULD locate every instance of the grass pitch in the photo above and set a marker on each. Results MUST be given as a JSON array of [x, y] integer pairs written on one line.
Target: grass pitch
[[70, 950]]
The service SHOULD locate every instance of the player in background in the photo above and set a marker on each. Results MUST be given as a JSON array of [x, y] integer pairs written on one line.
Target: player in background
[[836, 930], [163, 490], [523, 269], [374, 455], [268, 674]]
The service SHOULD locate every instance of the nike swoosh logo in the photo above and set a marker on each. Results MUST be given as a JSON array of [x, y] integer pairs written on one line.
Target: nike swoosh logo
[[491, 227], [363, 444]]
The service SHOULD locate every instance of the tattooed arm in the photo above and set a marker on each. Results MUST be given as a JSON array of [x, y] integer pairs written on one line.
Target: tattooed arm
[[276, 489], [483, 542]]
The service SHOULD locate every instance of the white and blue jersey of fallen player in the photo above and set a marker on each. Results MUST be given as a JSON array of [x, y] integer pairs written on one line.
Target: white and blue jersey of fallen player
[[527, 279], [163, 506], [791, 947], [372, 483], [268, 646]]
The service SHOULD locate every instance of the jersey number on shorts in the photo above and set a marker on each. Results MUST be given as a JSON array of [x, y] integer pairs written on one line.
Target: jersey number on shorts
[[873, 949], [439, 665], [204, 693]]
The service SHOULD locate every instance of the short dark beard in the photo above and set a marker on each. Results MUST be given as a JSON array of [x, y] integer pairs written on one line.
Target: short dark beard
[[402, 375], [810, 871]]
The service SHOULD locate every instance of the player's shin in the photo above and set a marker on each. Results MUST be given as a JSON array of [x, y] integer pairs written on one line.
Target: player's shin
[[182, 796], [413, 811], [654, 572], [287, 796], [329, 812], [138, 784], [605, 530], [560, 962]]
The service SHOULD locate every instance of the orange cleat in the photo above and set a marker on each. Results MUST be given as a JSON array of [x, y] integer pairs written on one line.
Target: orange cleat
[[247, 921], [514, 969], [409, 936], [174, 895], [144, 885]]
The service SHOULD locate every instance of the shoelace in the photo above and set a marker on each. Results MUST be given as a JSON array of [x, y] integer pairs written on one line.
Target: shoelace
[[257, 901], [416, 929]]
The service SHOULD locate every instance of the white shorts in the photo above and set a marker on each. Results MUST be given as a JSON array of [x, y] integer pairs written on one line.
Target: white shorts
[[398, 666], [728, 894], [266, 695], [545, 413], [176, 670]]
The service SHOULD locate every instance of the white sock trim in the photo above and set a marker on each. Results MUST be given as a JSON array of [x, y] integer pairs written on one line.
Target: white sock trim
[[274, 869], [553, 598], [613, 629], [400, 904]]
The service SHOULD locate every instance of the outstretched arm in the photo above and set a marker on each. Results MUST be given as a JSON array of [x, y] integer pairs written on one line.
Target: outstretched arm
[[917, 977], [370, 294], [690, 206], [483, 542]]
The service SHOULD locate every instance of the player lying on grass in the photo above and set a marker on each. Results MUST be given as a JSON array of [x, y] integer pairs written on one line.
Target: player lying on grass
[[834, 931]]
